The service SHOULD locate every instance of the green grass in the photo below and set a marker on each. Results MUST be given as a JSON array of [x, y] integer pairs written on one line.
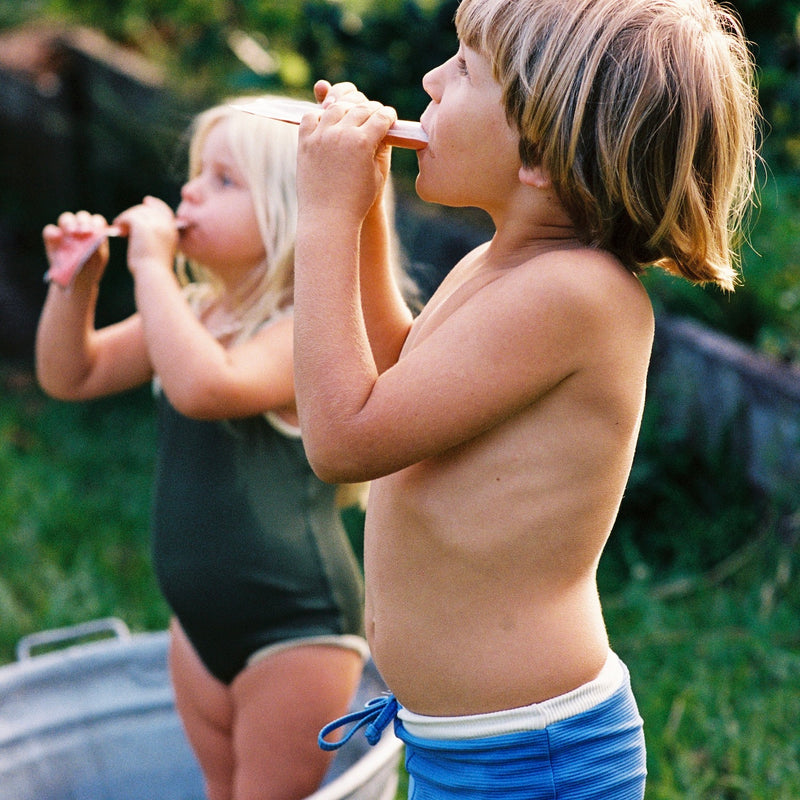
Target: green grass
[[74, 511], [699, 581]]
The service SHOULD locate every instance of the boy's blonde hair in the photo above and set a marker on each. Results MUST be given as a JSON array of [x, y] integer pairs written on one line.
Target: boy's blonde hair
[[265, 152], [643, 112]]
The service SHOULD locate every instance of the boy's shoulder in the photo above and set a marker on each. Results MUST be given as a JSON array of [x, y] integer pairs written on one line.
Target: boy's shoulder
[[573, 275], [576, 293], [583, 296]]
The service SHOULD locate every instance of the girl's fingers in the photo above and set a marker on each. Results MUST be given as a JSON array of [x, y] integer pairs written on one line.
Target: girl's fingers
[[80, 222], [51, 232]]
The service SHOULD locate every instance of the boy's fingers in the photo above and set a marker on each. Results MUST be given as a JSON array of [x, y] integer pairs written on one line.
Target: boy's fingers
[[342, 91], [321, 89]]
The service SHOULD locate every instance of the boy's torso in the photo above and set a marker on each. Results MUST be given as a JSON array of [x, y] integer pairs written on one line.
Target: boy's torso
[[481, 560]]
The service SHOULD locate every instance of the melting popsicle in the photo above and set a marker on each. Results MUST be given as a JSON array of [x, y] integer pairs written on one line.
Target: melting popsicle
[[403, 133], [75, 250]]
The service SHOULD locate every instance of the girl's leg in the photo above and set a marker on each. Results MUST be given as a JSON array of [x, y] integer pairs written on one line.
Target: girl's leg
[[280, 705], [206, 710]]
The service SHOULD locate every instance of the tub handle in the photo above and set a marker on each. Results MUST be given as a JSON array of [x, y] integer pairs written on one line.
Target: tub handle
[[72, 633]]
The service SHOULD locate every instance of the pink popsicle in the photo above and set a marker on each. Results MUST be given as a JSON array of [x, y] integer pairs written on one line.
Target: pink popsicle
[[403, 133], [76, 250]]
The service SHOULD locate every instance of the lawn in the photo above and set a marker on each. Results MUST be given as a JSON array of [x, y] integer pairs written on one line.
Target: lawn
[[700, 593]]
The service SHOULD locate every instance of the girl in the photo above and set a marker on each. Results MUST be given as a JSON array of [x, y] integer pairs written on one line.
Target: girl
[[266, 643]]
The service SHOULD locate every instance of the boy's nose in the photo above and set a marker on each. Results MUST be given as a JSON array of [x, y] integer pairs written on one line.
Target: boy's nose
[[431, 83]]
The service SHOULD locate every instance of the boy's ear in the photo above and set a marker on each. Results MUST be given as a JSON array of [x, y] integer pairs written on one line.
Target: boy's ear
[[536, 176]]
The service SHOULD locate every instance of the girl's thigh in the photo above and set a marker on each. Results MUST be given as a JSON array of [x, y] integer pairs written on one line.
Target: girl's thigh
[[206, 709], [280, 704]]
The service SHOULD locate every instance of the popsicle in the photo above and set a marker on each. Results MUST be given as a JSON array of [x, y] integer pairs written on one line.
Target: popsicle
[[403, 133], [75, 250]]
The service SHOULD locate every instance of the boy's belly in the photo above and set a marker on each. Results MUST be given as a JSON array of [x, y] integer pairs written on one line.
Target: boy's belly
[[464, 620]]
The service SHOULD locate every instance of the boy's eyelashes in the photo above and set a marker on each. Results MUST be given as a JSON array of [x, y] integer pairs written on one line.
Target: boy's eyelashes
[[461, 64]]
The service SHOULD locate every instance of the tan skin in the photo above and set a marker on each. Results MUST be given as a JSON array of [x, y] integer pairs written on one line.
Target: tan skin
[[500, 438], [255, 738]]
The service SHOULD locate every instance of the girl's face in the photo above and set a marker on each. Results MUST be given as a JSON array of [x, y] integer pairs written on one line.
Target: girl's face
[[473, 154], [216, 207]]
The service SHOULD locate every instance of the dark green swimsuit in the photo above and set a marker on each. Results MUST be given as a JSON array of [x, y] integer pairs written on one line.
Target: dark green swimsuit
[[248, 545]]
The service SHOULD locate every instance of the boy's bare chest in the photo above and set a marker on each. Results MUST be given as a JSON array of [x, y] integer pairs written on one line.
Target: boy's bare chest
[[459, 293]]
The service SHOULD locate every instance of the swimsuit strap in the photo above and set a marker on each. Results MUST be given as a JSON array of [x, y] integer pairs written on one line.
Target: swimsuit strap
[[376, 715]]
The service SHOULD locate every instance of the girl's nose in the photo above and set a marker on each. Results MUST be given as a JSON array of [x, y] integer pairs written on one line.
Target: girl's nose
[[191, 189]]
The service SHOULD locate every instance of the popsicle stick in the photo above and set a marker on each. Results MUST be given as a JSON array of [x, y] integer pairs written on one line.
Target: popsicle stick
[[404, 133]]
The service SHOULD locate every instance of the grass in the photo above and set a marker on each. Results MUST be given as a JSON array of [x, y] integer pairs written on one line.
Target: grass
[[698, 582], [74, 511]]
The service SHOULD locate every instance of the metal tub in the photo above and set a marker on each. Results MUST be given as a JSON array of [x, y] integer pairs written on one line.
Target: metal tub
[[97, 721]]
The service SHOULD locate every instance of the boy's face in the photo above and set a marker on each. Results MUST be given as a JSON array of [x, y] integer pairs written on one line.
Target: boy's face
[[472, 158]]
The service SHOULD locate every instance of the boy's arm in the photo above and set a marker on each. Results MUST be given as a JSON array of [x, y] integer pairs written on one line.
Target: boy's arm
[[202, 378], [485, 362], [386, 315]]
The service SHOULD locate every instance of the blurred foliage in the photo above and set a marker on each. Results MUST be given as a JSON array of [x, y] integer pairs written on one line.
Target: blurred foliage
[[214, 48], [764, 311], [217, 47]]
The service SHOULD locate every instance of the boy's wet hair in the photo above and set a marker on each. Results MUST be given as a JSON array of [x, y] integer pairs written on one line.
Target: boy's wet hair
[[644, 114]]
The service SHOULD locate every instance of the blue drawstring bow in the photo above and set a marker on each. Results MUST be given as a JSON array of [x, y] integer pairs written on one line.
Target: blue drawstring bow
[[376, 716]]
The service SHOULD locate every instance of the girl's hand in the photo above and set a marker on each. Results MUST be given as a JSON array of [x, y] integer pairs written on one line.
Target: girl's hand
[[152, 235], [343, 161], [60, 241]]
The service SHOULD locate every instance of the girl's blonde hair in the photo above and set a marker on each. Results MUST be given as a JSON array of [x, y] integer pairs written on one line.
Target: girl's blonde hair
[[644, 114], [265, 152]]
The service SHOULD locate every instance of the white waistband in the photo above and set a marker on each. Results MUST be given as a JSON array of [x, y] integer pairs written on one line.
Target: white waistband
[[517, 720]]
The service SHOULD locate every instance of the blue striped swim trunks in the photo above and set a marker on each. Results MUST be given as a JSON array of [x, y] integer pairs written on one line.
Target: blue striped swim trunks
[[596, 754], [587, 744]]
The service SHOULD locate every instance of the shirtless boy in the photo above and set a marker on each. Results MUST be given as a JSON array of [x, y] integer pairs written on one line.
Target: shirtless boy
[[499, 427]]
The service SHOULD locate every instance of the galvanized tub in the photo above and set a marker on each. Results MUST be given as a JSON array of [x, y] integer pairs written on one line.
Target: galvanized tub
[[97, 721]]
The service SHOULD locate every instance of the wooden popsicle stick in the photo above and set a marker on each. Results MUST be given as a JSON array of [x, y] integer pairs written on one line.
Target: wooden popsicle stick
[[404, 133]]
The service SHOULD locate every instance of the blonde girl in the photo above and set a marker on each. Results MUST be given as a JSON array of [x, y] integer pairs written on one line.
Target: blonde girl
[[266, 641]]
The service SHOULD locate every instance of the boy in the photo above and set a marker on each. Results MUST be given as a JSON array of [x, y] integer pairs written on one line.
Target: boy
[[499, 427]]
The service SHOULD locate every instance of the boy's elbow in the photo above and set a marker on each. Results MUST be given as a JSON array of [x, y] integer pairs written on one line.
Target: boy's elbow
[[334, 464], [55, 390], [195, 402]]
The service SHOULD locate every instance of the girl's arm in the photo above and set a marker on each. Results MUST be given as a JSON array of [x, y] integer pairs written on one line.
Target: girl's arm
[[73, 360], [201, 377]]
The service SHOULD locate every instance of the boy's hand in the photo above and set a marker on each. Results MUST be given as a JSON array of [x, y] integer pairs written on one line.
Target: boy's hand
[[152, 234], [344, 163]]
